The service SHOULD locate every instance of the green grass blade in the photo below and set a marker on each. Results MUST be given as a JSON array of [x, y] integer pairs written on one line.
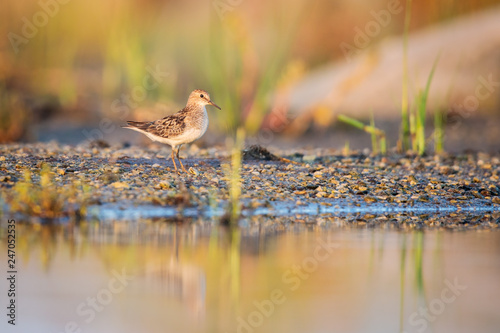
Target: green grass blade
[[438, 131], [374, 136], [351, 121], [413, 126], [404, 95], [383, 145], [376, 133], [422, 108]]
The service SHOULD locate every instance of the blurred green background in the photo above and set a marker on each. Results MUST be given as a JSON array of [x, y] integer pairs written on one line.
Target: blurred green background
[[84, 61]]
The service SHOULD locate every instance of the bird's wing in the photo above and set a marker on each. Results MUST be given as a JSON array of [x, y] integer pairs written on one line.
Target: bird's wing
[[169, 126]]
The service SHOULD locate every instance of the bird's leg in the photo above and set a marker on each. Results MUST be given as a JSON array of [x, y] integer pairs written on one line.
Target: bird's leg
[[177, 152], [181, 161], [173, 159]]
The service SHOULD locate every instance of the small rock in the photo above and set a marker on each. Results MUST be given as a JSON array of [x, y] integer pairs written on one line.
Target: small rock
[[120, 185], [309, 158], [370, 199]]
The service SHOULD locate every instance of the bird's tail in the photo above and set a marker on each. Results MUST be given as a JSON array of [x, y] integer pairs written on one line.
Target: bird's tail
[[141, 125]]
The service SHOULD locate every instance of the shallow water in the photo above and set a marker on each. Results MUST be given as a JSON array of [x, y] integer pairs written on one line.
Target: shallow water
[[152, 276], [329, 207]]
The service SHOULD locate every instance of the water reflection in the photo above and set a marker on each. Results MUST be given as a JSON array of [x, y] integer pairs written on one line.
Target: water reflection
[[154, 275]]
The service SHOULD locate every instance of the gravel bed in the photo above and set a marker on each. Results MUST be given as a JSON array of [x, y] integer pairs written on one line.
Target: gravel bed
[[276, 184]]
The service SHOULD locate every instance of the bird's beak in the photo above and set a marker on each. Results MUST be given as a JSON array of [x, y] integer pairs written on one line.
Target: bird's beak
[[212, 103]]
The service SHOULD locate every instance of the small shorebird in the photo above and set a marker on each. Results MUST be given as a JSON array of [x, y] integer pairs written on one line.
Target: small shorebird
[[185, 126]]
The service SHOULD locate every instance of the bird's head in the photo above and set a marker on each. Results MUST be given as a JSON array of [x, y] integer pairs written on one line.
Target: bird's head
[[201, 97]]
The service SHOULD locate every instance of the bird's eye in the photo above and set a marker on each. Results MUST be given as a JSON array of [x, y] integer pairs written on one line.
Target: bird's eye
[[201, 95]]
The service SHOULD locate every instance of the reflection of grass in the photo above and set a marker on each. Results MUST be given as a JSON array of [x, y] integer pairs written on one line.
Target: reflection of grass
[[417, 269], [235, 266], [419, 259], [402, 286]]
